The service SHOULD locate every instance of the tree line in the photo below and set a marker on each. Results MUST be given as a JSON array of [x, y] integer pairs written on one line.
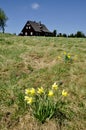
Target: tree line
[[78, 34]]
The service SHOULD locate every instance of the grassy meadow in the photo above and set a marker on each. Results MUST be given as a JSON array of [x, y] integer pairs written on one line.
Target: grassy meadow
[[39, 61]]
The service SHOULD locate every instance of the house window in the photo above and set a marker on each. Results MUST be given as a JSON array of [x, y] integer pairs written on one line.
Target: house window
[[31, 33], [25, 33], [26, 27], [29, 27]]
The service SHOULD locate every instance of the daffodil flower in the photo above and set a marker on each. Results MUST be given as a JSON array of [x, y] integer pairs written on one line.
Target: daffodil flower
[[40, 90], [27, 91], [32, 91], [50, 94], [29, 100], [59, 57], [65, 53], [26, 98], [68, 56], [55, 86], [64, 93]]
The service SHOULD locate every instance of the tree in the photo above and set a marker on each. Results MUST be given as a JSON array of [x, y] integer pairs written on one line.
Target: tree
[[64, 35], [59, 35], [79, 34], [54, 33], [3, 19], [71, 35]]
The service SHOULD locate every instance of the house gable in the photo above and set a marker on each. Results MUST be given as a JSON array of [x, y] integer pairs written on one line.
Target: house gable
[[27, 30]]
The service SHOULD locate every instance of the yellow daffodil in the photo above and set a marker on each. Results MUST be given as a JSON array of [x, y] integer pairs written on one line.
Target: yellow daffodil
[[64, 93], [40, 90], [26, 98], [50, 94], [32, 91], [69, 56], [27, 91], [29, 100], [54, 86], [65, 53], [59, 57]]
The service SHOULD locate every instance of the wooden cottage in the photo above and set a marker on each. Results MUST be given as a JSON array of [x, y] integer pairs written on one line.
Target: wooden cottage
[[33, 28]]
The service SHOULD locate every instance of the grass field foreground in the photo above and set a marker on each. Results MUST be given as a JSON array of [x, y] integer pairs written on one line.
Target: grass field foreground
[[32, 62]]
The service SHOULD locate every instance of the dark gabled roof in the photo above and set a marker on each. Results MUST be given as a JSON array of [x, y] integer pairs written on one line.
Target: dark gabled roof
[[44, 28], [38, 27]]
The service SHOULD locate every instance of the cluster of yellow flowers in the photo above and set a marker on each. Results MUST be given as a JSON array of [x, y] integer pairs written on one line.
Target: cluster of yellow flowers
[[67, 55], [51, 92], [30, 93]]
